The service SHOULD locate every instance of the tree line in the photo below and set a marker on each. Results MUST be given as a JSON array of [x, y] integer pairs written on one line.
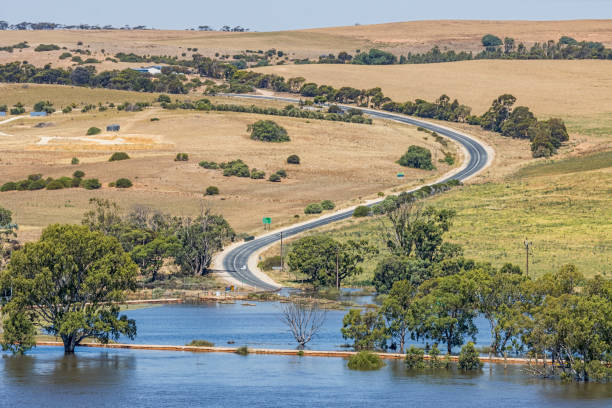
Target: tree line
[[26, 25]]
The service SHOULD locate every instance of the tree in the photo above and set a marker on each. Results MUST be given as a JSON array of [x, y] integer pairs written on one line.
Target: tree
[[518, 123], [150, 256], [367, 329], [200, 239], [392, 269], [448, 309], [397, 310], [8, 243], [417, 157], [491, 40], [468, 358], [325, 261], [304, 320], [499, 111], [268, 131], [69, 283]]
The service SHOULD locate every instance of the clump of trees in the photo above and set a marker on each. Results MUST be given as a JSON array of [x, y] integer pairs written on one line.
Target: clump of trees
[[293, 159], [365, 361], [117, 156], [268, 131], [374, 57], [46, 47], [417, 157], [37, 182]]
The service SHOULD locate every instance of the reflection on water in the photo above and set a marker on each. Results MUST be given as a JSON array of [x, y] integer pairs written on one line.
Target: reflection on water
[[150, 378]]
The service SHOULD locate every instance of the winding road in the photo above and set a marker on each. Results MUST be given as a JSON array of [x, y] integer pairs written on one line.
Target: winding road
[[235, 259]]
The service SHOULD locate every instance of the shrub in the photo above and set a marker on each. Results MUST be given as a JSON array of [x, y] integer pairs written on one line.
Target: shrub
[[119, 156], [10, 186], [55, 185], [243, 351], [293, 159], [46, 47], [208, 165], [67, 109], [17, 111], [434, 359], [212, 190], [269, 263], [468, 358], [76, 182], [23, 185], [123, 183], [417, 157], [66, 181], [74, 161], [268, 131], [181, 157], [415, 358], [314, 208], [200, 343], [154, 119], [93, 131], [37, 185], [361, 211], [282, 173], [257, 174], [235, 168], [44, 106], [328, 205], [111, 184], [78, 174], [65, 55], [35, 177], [274, 178], [365, 361], [164, 98], [91, 184]]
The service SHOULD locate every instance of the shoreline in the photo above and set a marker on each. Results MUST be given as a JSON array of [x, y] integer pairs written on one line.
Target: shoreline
[[281, 352]]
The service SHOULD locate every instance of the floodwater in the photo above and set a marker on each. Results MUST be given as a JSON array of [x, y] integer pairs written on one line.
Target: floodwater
[[119, 378]]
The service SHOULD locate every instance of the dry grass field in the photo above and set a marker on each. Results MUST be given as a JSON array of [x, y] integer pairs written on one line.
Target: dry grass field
[[401, 38], [342, 162]]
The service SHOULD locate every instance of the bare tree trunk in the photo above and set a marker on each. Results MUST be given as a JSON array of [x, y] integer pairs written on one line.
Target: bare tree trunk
[[304, 320]]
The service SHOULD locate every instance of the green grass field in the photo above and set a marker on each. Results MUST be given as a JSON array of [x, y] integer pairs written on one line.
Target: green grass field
[[564, 207]]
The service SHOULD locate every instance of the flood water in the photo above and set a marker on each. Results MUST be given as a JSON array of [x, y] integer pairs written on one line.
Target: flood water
[[116, 378]]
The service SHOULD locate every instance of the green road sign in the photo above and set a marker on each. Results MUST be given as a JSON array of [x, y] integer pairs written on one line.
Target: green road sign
[[267, 220]]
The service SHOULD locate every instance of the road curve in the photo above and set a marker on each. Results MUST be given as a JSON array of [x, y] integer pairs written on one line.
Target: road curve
[[235, 260]]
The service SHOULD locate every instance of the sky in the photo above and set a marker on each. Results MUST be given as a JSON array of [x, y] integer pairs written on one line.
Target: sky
[[274, 15]]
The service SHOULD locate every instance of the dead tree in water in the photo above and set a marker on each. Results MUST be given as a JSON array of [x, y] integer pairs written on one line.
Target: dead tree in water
[[304, 320]]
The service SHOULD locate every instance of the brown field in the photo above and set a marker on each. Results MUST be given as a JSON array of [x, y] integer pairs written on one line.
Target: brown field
[[342, 162], [415, 36]]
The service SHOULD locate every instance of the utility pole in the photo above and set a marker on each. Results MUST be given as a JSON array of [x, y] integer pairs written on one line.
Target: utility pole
[[281, 250], [528, 245], [337, 274]]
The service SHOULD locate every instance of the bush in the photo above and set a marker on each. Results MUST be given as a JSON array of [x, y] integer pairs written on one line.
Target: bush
[[491, 40], [10, 186], [37, 185], [74, 161], [111, 184], [17, 111], [154, 119], [468, 358], [293, 159], [314, 208], [235, 168], [76, 182], [78, 174], [257, 174], [243, 351], [181, 157], [328, 205], [123, 183], [35, 177], [268, 263], [361, 211], [93, 131], [415, 357], [66, 181], [119, 156], [91, 184], [208, 165], [55, 185], [274, 178], [164, 98], [46, 47], [417, 157], [365, 361], [200, 343], [268, 131], [67, 109], [282, 173], [212, 190]]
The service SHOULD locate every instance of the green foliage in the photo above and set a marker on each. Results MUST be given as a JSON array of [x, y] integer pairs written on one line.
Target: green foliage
[[415, 358], [468, 358], [365, 361], [181, 157], [74, 161], [314, 208], [268, 131], [270, 262], [490, 40], [55, 185], [235, 168], [281, 173], [118, 156], [212, 190], [150, 255], [208, 164], [91, 184], [78, 174], [56, 285], [327, 205], [44, 106], [361, 211], [9, 186], [93, 131], [46, 47], [200, 343], [274, 178], [393, 268], [164, 98], [397, 309], [242, 351], [123, 183], [367, 329], [375, 57], [417, 157], [257, 174], [293, 159]]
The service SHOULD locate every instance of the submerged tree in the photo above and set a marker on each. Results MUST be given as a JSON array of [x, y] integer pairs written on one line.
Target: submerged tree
[[68, 284], [304, 320]]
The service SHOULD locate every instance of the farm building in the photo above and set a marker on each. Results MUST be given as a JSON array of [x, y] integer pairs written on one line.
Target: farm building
[[113, 128]]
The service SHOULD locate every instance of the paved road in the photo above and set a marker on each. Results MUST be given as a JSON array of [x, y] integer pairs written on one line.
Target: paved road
[[235, 262]]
